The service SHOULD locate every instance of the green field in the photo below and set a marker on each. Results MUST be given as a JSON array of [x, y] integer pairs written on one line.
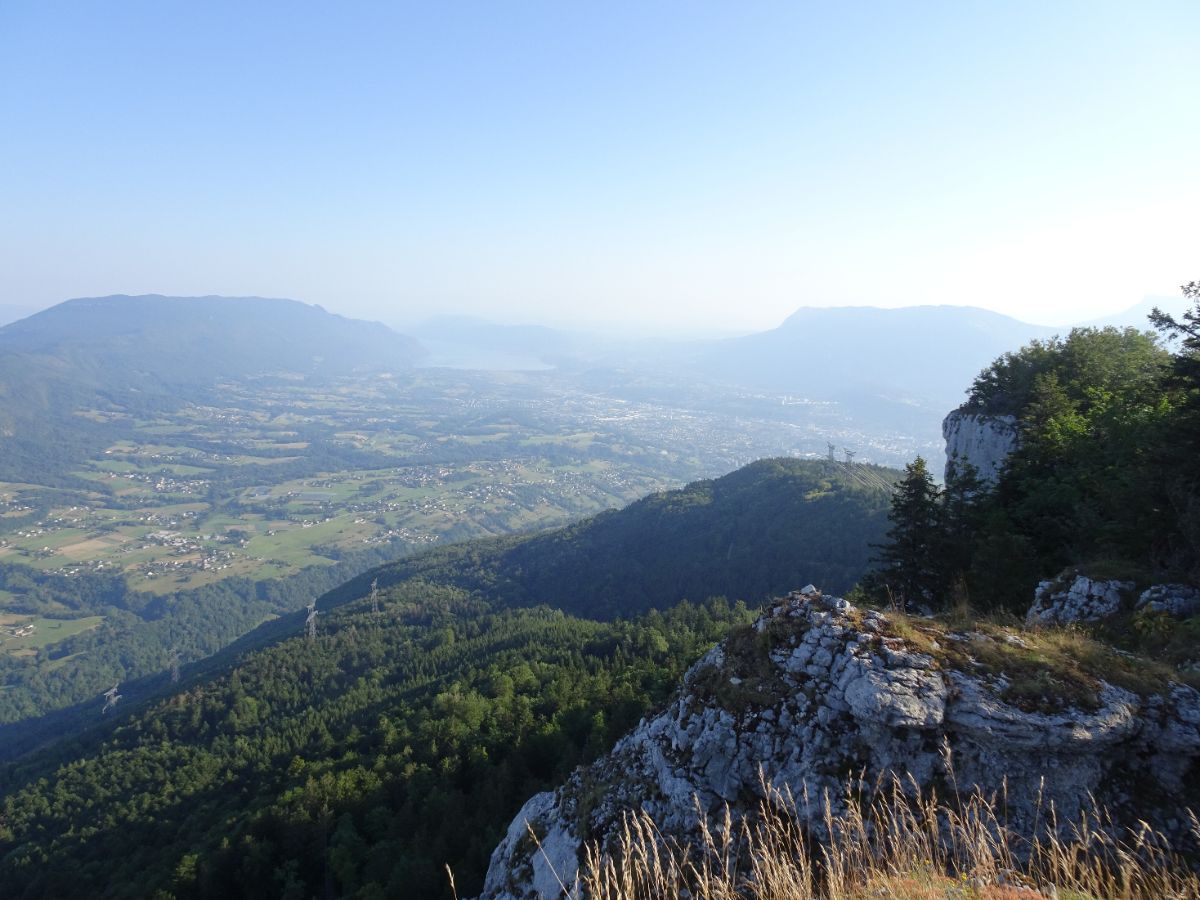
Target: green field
[[186, 498], [156, 519], [46, 631]]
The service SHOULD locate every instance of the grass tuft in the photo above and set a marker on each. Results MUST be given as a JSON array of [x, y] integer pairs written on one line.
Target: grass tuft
[[892, 841]]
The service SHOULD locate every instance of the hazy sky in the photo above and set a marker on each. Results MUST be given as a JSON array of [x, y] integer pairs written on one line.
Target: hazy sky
[[716, 165]]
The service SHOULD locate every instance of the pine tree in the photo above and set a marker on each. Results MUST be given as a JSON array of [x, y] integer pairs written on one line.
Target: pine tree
[[912, 568], [961, 518]]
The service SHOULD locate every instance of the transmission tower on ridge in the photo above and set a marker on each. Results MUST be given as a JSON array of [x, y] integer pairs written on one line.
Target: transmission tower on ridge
[[850, 454], [375, 597], [174, 665], [111, 697], [311, 622], [832, 449]]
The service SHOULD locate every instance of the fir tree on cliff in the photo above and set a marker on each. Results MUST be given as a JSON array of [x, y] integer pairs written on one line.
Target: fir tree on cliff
[[910, 569]]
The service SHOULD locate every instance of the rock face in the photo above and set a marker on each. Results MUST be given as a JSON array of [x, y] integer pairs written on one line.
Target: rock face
[[817, 690], [980, 440], [1083, 600], [1179, 600]]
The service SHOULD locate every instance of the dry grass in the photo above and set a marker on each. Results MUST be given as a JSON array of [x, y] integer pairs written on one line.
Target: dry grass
[[896, 841], [1049, 668]]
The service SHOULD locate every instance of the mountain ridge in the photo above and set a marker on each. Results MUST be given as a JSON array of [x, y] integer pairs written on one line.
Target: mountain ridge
[[131, 354], [238, 335], [922, 353], [743, 534]]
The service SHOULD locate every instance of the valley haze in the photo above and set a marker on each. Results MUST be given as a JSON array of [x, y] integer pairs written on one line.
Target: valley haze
[[544, 451]]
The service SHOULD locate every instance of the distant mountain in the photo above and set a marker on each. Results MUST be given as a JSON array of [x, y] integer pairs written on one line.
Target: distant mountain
[[187, 340], [885, 369], [923, 355], [131, 353], [1138, 316], [772, 523], [13, 312]]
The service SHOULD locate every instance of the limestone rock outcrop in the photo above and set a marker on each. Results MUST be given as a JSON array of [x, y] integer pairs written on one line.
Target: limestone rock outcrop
[[817, 690], [981, 440], [1179, 600], [1083, 599]]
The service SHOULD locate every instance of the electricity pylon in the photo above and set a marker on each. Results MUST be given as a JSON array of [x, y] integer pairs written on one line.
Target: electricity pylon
[[111, 697]]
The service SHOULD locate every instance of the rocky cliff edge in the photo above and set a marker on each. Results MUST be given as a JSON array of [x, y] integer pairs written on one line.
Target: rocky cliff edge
[[817, 691], [981, 440]]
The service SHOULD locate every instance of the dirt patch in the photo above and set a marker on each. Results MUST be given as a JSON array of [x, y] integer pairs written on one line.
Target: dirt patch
[[92, 547]]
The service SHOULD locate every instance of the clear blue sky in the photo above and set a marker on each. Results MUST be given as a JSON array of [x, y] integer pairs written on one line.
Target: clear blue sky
[[716, 165]]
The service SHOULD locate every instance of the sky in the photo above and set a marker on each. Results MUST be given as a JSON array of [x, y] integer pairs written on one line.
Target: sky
[[668, 166]]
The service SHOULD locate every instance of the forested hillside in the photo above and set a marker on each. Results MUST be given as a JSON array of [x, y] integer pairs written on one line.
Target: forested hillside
[[767, 527], [404, 739], [359, 762], [50, 693]]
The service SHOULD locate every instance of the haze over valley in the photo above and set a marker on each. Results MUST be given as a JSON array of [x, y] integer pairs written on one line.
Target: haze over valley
[[160, 448], [624, 451]]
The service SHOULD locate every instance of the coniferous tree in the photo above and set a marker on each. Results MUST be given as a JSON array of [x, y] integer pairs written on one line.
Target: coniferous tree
[[961, 519], [912, 568]]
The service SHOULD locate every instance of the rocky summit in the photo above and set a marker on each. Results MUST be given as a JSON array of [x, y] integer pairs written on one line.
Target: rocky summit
[[817, 691]]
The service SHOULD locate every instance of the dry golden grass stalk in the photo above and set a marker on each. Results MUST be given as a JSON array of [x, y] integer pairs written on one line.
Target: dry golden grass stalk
[[890, 839]]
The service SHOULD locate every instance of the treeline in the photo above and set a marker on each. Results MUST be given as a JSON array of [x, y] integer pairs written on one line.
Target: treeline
[[1106, 474], [355, 765]]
